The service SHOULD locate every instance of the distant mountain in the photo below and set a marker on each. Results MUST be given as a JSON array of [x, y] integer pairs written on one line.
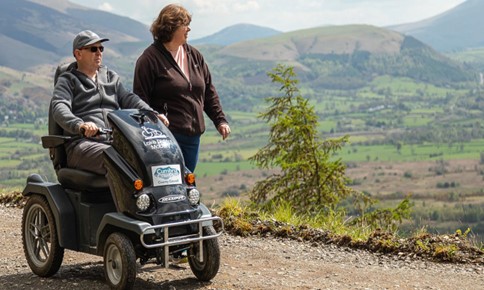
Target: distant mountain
[[338, 40], [34, 37], [345, 57], [39, 32], [457, 29], [236, 33]]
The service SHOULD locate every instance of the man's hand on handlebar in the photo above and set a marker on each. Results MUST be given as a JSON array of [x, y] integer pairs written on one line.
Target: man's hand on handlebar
[[88, 129]]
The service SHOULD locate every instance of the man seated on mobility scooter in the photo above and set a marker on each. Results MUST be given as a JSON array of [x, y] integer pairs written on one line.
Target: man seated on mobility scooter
[[151, 208]]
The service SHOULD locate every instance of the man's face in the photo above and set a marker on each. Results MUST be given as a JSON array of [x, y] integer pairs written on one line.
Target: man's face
[[91, 56]]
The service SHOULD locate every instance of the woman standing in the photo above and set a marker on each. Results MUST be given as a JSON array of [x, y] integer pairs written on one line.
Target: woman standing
[[173, 78]]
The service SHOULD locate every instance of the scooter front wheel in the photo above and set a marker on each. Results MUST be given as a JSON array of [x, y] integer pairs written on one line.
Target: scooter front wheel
[[119, 261], [39, 237], [207, 269]]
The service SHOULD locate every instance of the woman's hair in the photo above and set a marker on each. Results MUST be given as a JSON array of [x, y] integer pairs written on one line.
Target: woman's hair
[[170, 18]]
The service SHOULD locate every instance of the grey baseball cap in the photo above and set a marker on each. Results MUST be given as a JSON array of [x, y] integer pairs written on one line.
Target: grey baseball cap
[[85, 38]]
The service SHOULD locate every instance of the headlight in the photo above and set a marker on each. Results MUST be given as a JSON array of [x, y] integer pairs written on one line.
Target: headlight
[[143, 202], [194, 196]]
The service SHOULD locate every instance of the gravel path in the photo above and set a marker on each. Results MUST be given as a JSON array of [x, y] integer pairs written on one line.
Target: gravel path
[[247, 263]]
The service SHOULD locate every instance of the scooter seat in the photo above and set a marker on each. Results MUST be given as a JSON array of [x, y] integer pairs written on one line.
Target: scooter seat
[[82, 180]]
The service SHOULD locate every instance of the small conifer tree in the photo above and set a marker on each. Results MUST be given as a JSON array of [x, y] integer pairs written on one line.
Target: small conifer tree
[[310, 177]]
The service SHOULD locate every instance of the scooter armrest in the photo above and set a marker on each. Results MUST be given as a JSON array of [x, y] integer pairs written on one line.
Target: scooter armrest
[[52, 141]]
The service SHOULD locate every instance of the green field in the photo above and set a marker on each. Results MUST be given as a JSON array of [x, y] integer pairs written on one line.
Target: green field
[[420, 152]]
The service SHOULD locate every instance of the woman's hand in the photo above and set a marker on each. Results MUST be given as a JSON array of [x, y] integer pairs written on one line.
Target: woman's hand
[[224, 130], [164, 119]]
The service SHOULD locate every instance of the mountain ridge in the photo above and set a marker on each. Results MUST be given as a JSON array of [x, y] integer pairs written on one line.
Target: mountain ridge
[[344, 57], [31, 34], [453, 30], [344, 39], [356, 53]]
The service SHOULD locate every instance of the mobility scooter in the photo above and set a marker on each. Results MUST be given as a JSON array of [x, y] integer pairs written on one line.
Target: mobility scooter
[[151, 209]]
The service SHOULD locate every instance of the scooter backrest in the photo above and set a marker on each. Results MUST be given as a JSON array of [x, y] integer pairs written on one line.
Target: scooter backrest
[[63, 68], [58, 154]]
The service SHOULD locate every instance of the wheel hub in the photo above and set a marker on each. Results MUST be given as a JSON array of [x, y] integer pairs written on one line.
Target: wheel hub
[[113, 264]]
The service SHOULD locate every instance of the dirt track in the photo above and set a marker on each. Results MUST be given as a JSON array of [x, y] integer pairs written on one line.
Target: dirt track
[[247, 263]]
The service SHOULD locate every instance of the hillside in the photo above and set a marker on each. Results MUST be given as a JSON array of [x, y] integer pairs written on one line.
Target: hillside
[[454, 30], [33, 34], [337, 57], [338, 40], [37, 32]]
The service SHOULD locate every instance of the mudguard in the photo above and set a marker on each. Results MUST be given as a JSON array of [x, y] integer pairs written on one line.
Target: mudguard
[[205, 214], [120, 221], [65, 218]]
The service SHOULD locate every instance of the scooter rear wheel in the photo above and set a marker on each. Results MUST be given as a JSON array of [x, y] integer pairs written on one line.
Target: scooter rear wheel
[[207, 269], [119, 261], [39, 237]]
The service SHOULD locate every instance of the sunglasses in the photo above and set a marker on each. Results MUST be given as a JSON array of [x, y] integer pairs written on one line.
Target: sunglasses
[[94, 48]]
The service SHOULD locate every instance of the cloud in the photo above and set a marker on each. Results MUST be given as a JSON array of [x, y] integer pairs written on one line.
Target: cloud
[[106, 7], [246, 6], [214, 7], [210, 16]]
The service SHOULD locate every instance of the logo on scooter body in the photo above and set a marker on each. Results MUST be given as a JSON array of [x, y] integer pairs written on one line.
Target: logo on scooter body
[[172, 198], [150, 133], [166, 175]]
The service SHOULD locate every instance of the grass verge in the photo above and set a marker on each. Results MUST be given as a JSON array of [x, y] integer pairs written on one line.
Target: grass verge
[[243, 220]]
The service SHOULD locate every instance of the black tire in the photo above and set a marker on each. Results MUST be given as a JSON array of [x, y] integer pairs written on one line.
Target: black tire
[[39, 237], [206, 270], [119, 262]]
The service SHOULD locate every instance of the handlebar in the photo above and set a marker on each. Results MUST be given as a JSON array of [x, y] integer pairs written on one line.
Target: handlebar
[[100, 131], [104, 131]]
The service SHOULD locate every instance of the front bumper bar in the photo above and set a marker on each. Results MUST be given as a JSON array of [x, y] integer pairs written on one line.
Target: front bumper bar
[[180, 240]]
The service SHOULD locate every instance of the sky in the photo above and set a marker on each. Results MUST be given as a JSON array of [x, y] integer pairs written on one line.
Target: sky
[[211, 16]]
